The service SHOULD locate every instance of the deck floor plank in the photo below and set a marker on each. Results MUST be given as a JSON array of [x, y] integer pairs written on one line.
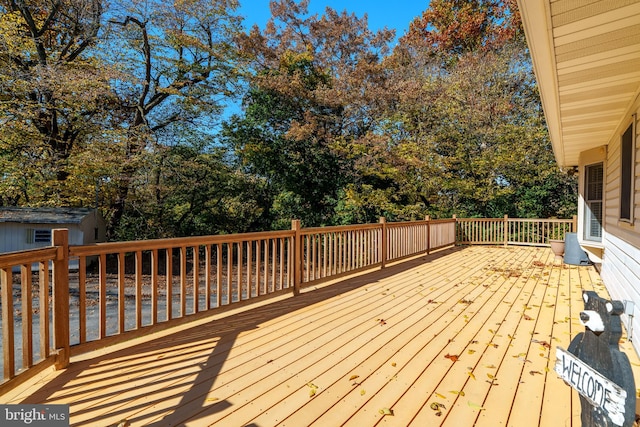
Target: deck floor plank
[[418, 354], [343, 359], [339, 353], [467, 325], [504, 359], [557, 400]]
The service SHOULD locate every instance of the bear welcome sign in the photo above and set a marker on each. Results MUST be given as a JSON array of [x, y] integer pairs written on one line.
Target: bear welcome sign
[[596, 368], [591, 385]]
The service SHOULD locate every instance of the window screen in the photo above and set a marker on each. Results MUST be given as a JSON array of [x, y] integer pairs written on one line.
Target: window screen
[[594, 185], [626, 175]]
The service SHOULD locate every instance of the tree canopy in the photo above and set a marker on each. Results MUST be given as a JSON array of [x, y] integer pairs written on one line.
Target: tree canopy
[[121, 106]]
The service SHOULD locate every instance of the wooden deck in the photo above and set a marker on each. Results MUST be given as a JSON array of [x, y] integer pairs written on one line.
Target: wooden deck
[[463, 337]]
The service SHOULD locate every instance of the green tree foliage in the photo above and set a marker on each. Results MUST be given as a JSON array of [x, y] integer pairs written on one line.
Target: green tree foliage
[[176, 63], [121, 104], [89, 104], [313, 97], [195, 192], [467, 119], [53, 96]]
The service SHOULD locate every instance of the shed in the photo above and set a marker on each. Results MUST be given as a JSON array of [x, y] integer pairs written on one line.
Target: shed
[[30, 228]]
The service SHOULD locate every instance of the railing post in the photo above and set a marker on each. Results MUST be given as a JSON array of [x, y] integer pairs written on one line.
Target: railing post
[[60, 239], [428, 218], [506, 230], [297, 256], [574, 224], [383, 244]]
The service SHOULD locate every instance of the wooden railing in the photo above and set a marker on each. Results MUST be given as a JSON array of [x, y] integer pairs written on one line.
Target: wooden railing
[[31, 304], [512, 231], [125, 289]]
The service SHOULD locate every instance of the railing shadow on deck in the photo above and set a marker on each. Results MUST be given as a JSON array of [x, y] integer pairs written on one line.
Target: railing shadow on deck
[[222, 333], [123, 290]]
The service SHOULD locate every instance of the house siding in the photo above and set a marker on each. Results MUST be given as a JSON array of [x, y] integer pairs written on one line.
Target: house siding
[[621, 261], [621, 275]]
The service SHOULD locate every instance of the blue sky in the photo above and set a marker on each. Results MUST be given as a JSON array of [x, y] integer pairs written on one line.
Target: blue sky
[[394, 14]]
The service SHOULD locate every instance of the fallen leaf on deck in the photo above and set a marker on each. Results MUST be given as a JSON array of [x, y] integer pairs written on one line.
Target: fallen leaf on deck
[[475, 406], [441, 396], [313, 389], [471, 351], [535, 372], [212, 399], [452, 357], [471, 375], [459, 393], [386, 411], [362, 392], [436, 406], [353, 377], [490, 376], [527, 317], [542, 343]]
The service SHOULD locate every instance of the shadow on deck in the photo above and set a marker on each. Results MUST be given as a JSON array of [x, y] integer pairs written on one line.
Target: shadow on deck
[[469, 331]]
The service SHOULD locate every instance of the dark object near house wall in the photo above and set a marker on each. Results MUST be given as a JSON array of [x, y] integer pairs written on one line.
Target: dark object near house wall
[[598, 347], [573, 253]]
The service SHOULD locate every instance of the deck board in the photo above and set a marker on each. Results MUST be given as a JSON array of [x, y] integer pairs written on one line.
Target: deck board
[[339, 354]]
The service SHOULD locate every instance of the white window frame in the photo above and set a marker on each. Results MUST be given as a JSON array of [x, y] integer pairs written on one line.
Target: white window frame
[[590, 204], [38, 235]]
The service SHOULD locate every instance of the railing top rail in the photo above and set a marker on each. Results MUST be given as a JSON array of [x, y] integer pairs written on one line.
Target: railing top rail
[[29, 256], [558, 220], [443, 221], [479, 219], [142, 245], [408, 223], [334, 228]]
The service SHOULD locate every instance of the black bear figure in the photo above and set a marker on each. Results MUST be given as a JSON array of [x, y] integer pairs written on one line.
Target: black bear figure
[[598, 347]]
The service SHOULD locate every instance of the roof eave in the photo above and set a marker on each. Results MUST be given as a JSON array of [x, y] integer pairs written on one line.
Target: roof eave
[[539, 33]]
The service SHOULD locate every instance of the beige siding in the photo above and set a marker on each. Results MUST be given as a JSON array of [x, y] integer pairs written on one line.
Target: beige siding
[[621, 264]]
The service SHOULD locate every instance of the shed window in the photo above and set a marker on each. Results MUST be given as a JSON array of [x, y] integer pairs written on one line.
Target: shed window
[[626, 175], [594, 179], [38, 235]]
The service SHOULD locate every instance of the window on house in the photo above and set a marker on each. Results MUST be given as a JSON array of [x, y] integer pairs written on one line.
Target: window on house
[[594, 185], [626, 175], [38, 235]]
